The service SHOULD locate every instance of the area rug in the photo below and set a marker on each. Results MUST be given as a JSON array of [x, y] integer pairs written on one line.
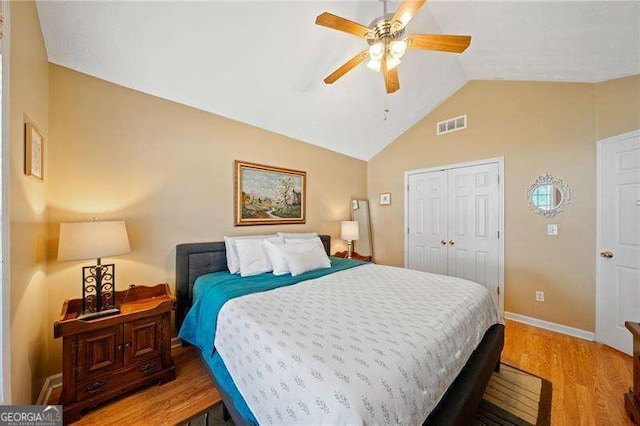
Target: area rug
[[513, 397]]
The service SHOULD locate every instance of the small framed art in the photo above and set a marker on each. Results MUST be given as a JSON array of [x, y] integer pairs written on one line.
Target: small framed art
[[385, 199], [33, 152]]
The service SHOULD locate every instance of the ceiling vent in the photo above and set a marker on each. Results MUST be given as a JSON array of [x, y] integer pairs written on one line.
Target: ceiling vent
[[451, 125]]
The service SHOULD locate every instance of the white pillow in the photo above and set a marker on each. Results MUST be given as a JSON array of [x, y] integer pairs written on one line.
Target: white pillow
[[253, 256], [298, 235], [305, 256], [233, 263], [276, 257]]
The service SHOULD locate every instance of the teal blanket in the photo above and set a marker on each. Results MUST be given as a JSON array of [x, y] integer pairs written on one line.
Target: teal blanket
[[211, 292]]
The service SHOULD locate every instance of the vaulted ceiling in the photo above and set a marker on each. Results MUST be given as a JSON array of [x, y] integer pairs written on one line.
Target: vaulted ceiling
[[263, 62]]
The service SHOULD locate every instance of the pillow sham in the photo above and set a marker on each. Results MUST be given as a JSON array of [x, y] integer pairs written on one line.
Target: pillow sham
[[233, 263], [298, 235], [252, 256], [276, 257], [305, 256]]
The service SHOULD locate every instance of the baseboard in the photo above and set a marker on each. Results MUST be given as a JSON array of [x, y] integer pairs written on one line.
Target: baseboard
[[55, 380], [547, 325], [50, 383]]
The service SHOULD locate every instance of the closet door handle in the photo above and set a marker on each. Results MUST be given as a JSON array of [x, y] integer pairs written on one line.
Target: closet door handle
[[451, 242], [443, 242]]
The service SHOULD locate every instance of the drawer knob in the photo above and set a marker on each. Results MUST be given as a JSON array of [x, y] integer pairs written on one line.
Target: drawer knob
[[148, 367], [95, 386]]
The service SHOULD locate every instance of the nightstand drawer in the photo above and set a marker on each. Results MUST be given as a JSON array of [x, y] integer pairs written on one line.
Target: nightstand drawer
[[98, 385]]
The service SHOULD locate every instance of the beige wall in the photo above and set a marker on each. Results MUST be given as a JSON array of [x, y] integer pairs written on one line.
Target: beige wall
[[618, 106], [538, 128], [167, 170], [29, 88]]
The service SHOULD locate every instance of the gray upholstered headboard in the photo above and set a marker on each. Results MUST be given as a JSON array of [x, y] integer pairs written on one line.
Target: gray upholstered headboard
[[195, 259]]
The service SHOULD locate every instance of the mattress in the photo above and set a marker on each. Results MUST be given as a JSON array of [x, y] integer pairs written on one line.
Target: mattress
[[365, 345]]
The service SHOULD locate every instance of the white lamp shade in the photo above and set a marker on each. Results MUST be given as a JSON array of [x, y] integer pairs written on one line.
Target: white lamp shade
[[349, 230], [92, 240]]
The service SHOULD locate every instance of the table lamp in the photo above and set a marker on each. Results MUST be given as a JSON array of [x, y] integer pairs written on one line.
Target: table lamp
[[349, 232], [95, 240]]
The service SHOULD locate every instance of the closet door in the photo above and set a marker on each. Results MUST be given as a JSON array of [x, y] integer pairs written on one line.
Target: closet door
[[473, 225], [427, 249]]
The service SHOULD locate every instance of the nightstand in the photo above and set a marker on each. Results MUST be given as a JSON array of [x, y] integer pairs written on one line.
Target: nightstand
[[106, 357], [354, 256]]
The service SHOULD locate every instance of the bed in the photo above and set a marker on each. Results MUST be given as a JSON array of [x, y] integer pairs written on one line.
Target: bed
[[224, 316]]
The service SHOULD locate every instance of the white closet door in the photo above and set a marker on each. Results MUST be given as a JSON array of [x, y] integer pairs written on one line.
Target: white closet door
[[473, 225], [428, 222]]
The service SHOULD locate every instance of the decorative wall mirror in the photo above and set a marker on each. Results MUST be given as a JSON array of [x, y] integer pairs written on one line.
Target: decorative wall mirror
[[360, 213], [548, 195]]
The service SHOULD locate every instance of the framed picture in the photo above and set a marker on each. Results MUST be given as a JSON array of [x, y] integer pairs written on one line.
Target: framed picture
[[266, 195], [355, 205], [33, 152], [385, 199]]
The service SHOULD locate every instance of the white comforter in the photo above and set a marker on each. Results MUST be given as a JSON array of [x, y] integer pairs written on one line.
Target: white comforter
[[369, 345]]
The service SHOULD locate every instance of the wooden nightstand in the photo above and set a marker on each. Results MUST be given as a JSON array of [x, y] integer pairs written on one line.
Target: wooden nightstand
[[632, 398], [106, 357], [354, 256]]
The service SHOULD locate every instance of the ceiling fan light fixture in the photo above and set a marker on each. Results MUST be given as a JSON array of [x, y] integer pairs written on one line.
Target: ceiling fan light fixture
[[392, 62], [398, 48], [376, 51], [374, 65]]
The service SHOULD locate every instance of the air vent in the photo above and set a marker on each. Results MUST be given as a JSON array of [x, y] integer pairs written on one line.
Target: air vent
[[452, 125]]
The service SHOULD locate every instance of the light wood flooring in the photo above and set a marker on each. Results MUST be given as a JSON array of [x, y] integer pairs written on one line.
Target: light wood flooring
[[589, 380]]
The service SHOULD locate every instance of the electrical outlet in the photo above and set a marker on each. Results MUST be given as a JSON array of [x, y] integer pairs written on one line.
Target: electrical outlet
[[539, 296], [552, 229]]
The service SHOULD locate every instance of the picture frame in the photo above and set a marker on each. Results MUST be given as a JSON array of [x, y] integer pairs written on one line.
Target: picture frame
[[385, 199], [33, 152], [268, 195], [355, 205]]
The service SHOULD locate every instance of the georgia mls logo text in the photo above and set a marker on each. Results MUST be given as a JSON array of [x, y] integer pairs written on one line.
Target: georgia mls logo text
[[27, 415]]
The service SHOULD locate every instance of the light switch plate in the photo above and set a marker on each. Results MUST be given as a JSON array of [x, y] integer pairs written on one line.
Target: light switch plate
[[552, 229], [539, 296]]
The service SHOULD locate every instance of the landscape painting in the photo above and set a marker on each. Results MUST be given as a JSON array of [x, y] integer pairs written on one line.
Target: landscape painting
[[266, 195]]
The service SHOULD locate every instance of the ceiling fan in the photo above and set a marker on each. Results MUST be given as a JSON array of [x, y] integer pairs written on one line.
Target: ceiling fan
[[388, 42]]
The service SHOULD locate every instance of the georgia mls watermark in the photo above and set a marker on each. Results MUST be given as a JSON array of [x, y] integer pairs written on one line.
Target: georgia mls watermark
[[30, 415]]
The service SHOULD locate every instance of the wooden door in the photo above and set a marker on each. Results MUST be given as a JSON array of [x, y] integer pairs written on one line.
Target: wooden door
[[619, 240], [142, 339], [473, 225], [427, 219], [99, 351]]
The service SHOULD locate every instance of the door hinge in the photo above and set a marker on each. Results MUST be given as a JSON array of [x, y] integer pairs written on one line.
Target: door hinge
[[407, 230], [407, 188], [498, 234], [498, 290], [498, 178]]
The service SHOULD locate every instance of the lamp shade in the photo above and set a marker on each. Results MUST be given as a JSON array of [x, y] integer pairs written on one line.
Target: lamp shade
[[92, 240], [349, 230]]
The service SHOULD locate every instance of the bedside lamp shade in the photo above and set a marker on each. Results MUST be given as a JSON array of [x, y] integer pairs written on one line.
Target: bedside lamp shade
[[92, 240], [349, 230]]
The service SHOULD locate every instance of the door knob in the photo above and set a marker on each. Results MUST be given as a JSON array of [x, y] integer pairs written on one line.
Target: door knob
[[443, 242], [606, 254], [451, 242]]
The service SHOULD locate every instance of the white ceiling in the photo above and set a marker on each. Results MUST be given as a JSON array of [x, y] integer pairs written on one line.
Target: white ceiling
[[263, 62]]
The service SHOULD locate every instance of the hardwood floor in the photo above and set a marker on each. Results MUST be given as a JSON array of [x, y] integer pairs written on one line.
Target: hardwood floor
[[589, 380], [190, 394]]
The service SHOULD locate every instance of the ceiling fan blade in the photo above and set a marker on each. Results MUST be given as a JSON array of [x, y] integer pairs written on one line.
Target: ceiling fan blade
[[442, 43], [406, 12], [391, 81], [346, 26], [348, 66]]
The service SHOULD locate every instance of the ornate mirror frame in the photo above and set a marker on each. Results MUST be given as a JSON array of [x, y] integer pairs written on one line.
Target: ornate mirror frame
[[547, 179]]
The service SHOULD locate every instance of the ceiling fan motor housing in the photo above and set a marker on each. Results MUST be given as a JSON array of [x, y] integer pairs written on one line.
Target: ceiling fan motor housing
[[382, 30]]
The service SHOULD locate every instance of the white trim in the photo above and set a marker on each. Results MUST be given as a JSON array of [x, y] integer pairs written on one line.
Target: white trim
[[5, 292], [50, 383], [552, 326], [501, 197], [633, 134]]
